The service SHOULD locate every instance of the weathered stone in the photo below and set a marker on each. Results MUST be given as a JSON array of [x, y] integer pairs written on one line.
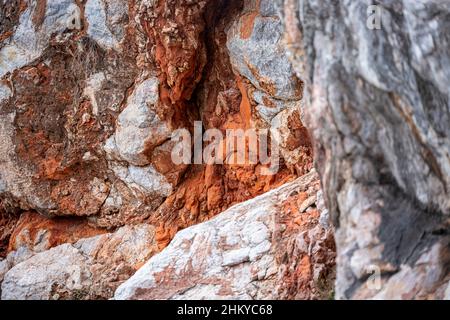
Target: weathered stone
[[377, 106], [5, 92], [58, 112], [256, 51], [34, 32], [237, 254], [139, 128], [106, 20], [223, 103], [88, 269], [145, 179], [292, 138], [272, 95], [88, 102]]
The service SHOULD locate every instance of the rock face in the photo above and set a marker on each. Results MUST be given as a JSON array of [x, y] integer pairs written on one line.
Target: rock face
[[90, 95], [377, 107], [264, 248], [89, 269], [273, 90]]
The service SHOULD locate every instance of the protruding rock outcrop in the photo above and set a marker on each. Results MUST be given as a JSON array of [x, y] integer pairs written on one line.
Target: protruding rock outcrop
[[90, 95], [377, 106], [91, 268], [276, 246]]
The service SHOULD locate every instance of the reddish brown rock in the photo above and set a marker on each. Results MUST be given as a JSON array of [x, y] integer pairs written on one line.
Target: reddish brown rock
[[88, 106], [225, 101], [8, 223], [39, 233], [66, 106]]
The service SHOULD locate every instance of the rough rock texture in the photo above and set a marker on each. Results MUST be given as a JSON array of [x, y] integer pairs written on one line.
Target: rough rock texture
[[38, 233], [225, 100], [272, 88], [64, 89], [377, 107], [91, 268], [90, 94], [266, 248], [7, 225]]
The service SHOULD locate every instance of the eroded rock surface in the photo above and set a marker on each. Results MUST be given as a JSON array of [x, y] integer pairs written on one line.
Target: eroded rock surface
[[377, 107], [90, 95], [92, 91], [91, 268], [265, 248]]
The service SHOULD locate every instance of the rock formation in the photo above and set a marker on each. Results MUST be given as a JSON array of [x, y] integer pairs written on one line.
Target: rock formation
[[90, 268], [276, 246], [377, 107], [93, 92]]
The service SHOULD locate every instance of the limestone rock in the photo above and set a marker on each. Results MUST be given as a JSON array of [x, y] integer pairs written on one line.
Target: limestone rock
[[223, 99], [5, 92], [377, 106], [88, 269], [237, 255], [106, 20], [273, 90], [139, 130], [90, 93], [34, 279], [256, 51], [33, 33], [292, 138], [51, 134]]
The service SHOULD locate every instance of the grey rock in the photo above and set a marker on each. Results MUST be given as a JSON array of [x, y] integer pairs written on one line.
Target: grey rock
[[106, 21], [34, 279], [262, 58], [377, 106], [139, 128], [268, 113], [5, 93], [307, 203]]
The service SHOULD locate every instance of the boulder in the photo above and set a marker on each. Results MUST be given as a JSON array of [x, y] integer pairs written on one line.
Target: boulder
[[264, 248], [377, 107], [91, 268]]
